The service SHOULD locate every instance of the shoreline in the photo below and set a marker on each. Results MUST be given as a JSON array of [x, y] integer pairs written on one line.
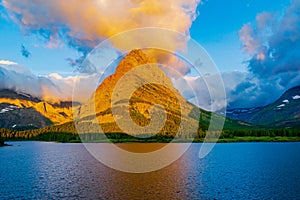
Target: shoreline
[[277, 139], [5, 145]]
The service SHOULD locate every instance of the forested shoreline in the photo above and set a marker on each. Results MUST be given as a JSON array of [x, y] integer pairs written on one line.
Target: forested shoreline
[[68, 133]]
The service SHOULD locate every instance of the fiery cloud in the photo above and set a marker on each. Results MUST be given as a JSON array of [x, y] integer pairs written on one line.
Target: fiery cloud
[[83, 25]]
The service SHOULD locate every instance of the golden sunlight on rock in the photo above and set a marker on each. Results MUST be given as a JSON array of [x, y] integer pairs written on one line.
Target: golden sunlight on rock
[[55, 113], [110, 102]]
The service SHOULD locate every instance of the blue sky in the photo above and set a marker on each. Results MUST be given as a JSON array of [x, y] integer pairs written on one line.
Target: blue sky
[[42, 60], [217, 26], [255, 44]]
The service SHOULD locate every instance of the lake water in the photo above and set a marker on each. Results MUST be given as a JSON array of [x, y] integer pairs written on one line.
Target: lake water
[[41, 170]]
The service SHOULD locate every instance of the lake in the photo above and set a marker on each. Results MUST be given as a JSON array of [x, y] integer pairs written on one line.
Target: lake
[[41, 170]]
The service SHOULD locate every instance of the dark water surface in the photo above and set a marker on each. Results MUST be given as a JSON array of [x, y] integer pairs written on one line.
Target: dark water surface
[[42, 170]]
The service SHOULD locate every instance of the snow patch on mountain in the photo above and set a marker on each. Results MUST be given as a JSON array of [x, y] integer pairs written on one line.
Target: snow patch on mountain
[[5, 110], [296, 97]]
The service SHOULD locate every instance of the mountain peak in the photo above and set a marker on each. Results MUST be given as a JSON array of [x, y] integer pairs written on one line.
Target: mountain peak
[[135, 58], [156, 89]]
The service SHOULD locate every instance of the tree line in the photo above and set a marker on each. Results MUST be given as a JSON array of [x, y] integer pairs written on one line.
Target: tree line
[[67, 133]]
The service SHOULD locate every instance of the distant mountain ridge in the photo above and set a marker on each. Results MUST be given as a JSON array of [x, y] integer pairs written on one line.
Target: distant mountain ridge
[[11, 94], [19, 110], [283, 113]]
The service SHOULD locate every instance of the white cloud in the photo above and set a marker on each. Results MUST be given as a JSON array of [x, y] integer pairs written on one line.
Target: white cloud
[[195, 89], [52, 87], [7, 62], [78, 88]]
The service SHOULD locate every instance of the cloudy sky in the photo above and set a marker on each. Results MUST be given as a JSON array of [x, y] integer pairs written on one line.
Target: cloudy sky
[[255, 44]]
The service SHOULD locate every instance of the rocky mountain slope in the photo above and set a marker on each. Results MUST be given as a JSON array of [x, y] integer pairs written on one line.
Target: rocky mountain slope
[[141, 101], [22, 111], [283, 113]]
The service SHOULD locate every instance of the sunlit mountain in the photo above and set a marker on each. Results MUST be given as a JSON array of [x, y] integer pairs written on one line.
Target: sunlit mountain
[[22, 111]]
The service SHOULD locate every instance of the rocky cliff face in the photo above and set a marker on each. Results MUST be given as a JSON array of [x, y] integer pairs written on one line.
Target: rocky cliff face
[[22, 110], [133, 90]]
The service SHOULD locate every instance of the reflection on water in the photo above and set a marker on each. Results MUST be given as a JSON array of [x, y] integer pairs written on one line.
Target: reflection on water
[[141, 147], [137, 157], [53, 170]]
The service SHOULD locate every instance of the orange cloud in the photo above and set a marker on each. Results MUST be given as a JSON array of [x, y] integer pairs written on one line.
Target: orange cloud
[[94, 19]]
